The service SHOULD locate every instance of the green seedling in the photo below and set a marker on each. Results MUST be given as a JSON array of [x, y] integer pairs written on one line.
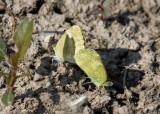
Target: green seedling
[[103, 8], [22, 39]]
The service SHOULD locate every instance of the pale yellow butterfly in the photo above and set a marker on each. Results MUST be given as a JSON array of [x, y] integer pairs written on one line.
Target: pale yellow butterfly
[[90, 62], [70, 47], [69, 44]]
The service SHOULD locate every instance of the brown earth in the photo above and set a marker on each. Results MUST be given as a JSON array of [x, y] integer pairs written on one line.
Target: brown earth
[[127, 38]]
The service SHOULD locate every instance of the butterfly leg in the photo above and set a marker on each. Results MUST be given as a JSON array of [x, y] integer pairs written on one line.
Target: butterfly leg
[[54, 58], [89, 87], [86, 78], [87, 83]]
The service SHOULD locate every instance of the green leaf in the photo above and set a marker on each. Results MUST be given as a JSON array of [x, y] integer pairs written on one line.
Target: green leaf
[[8, 98], [23, 36], [3, 48], [107, 8], [14, 59], [9, 79]]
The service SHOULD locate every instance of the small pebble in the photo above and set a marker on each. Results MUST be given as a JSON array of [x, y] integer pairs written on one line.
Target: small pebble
[[38, 77], [48, 84]]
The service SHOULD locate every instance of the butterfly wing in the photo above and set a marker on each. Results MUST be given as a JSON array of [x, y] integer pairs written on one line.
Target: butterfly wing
[[90, 62], [70, 43], [76, 33], [65, 49]]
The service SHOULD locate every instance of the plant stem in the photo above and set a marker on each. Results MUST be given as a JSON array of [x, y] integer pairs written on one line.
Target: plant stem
[[11, 78]]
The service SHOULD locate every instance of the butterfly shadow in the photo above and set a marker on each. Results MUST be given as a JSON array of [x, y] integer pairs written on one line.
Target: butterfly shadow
[[60, 73], [117, 63]]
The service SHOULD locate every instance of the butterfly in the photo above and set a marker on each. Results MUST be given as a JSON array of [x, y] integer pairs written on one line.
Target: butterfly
[[90, 62], [71, 48], [69, 44]]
